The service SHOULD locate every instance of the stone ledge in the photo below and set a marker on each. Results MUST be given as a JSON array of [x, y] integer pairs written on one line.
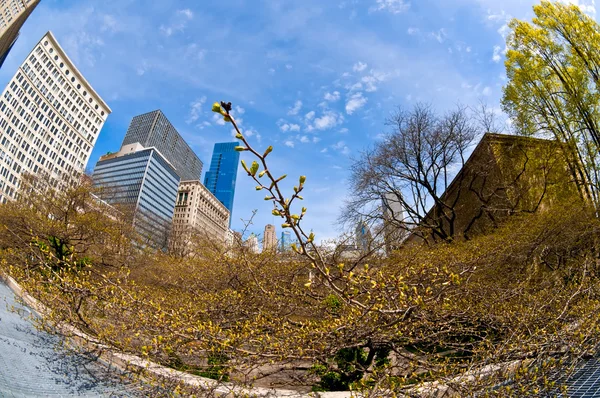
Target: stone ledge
[[125, 362]]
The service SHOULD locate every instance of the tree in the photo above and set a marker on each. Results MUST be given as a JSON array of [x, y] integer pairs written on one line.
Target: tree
[[412, 167], [553, 69]]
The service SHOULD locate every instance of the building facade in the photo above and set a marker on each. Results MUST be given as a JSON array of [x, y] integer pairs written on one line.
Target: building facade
[[50, 118], [285, 241], [143, 184], [363, 237], [153, 129], [252, 244], [269, 238], [394, 227], [197, 211], [221, 177], [13, 14]]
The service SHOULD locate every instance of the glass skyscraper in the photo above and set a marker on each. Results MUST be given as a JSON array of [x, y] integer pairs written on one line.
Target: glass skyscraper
[[220, 179], [145, 185], [153, 129]]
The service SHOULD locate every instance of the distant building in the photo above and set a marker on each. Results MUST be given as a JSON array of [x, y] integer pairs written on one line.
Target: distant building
[[252, 244], [220, 178], [269, 238], [13, 14], [285, 241], [153, 129], [50, 118], [144, 185], [197, 211], [394, 230], [364, 239]]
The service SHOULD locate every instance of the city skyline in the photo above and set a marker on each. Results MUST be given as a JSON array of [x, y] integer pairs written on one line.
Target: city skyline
[[316, 101]]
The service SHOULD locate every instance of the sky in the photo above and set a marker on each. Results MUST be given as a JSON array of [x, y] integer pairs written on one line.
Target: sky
[[316, 79]]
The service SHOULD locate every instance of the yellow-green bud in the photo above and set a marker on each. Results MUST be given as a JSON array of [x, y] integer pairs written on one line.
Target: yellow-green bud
[[244, 166], [227, 118], [296, 189], [281, 178], [304, 210], [268, 151], [217, 108], [276, 212], [254, 168], [240, 148], [239, 136], [262, 173], [295, 248], [295, 216], [258, 187], [299, 197], [311, 237], [285, 225], [269, 197], [302, 179]]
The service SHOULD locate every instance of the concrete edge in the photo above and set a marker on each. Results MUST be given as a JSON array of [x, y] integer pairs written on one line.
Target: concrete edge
[[126, 362]]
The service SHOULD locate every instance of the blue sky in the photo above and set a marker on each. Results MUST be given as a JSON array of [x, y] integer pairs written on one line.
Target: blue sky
[[316, 79]]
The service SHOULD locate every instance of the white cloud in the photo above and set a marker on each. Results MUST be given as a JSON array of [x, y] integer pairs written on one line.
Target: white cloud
[[289, 143], [186, 12], [332, 97], [496, 57], [413, 31], [328, 120], [271, 71], [359, 66], [440, 35], [355, 102], [196, 110], [587, 6], [341, 146], [316, 139], [468, 49], [289, 127], [344, 130], [393, 6], [218, 119], [296, 108], [239, 110], [310, 115], [486, 91], [304, 139], [288, 66]]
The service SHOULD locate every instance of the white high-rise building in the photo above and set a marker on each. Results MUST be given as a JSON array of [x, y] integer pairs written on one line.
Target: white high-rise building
[[50, 118], [13, 14]]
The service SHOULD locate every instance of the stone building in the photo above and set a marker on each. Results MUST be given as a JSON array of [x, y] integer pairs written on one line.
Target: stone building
[[504, 175], [13, 14], [198, 213], [269, 238]]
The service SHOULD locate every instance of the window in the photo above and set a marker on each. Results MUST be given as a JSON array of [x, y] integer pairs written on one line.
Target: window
[[67, 72], [51, 51], [61, 64], [78, 86]]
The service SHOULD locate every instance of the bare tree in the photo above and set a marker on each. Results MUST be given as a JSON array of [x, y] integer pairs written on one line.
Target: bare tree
[[414, 164]]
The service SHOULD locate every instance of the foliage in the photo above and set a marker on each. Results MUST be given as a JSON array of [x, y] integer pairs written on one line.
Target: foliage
[[553, 68]]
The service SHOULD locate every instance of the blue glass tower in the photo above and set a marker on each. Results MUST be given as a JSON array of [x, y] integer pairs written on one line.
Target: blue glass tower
[[143, 183], [220, 178]]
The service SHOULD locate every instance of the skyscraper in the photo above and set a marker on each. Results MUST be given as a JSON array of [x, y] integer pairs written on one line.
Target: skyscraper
[[252, 244], [393, 220], [220, 179], [50, 118], [153, 129], [285, 241], [13, 14], [145, 184], [269, 238], [363, 237]]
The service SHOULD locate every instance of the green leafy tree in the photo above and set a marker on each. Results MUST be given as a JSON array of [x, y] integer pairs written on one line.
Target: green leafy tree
[[553, 69]]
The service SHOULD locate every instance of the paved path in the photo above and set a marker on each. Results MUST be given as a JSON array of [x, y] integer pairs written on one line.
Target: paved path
[[32, 364]]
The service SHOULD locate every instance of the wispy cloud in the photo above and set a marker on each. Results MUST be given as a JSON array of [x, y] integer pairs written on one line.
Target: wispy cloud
[[393, 6], [355, 102], [296, 108]]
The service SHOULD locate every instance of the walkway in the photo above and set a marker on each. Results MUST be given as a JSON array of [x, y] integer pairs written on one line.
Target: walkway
[[33, 365]]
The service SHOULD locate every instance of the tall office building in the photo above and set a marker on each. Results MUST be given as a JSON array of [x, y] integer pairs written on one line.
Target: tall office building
[[285, 241], [144, 184], [50, 118], [220, 178], [363, 237], [197, 211], [13, 14], [269, 238], [393, 221], [153, 129]]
